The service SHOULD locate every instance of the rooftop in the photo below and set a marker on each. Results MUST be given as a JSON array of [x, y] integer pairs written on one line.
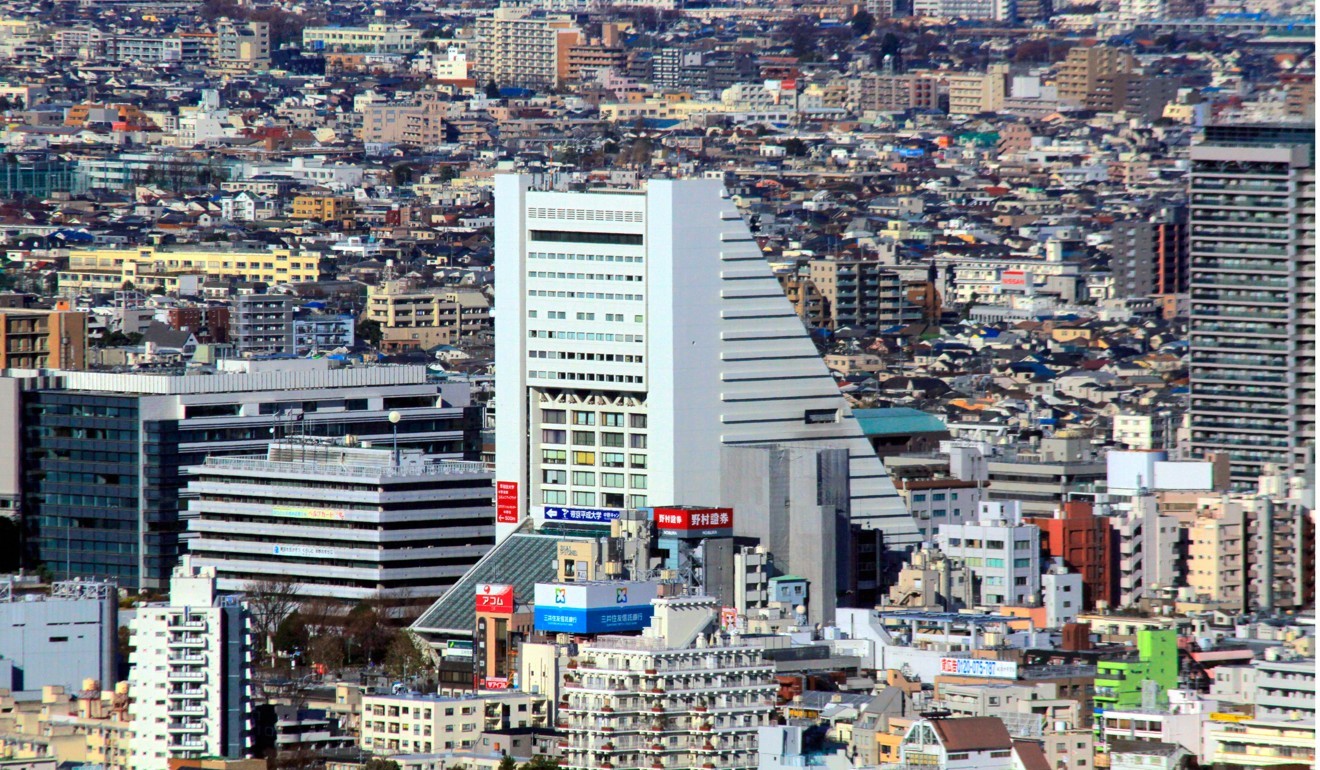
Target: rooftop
[[897, 421]]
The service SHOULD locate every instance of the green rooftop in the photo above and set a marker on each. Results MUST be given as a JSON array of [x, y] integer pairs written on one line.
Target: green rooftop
[[897, 421]]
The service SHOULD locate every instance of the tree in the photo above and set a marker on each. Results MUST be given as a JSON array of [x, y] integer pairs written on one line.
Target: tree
[[508, 763], [541, 763], [492, 90], [402, 174], [328, 650], [291, 634], [368, 330], [862, 23], [368, 632], [403, 657], [376, 763], [270, 602]]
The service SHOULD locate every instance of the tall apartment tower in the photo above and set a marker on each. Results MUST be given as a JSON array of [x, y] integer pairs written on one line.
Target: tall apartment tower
[[639, 331], [1253, 324], [191, 674]]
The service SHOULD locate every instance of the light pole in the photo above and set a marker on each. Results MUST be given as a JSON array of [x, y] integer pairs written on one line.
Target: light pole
[[394, 418]]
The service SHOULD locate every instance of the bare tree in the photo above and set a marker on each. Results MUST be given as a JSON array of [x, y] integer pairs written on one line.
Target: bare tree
[[270, 601]]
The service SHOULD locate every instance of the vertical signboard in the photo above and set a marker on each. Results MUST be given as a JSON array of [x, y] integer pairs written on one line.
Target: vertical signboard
[[506, 502]]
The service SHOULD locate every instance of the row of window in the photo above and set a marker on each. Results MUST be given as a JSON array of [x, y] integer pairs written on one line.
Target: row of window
[[588, 479], [583, 336], [920, 497], [994, 545], [579, 377], [608, 419], [589, 499], [584, 257], [560, 315], [583, 276], [589, 438], [585, 295], [617, 358], [607, 459]]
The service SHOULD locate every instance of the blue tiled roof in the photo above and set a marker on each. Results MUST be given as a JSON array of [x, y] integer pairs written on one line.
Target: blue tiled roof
[[897, 421]]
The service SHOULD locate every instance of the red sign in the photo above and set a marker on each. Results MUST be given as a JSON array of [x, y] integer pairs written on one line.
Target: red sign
[[495, 599], [694, 519], [496, 683], [1013, 278], [506, 502]]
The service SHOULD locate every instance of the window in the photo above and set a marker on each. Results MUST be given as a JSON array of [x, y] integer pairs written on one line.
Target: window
[[559, 236], [1019, 581], [584, 498], [584, 418], [940, 512], [554, 436], [1022, 545], [954, 542], [919, 498], [995, 545], [937, 497], [637, 440], [554, 496], [553, 416], [638, 481], [636, 461], [611, 459], [553, 477], [637, 501], [584, 458], [611, 480], [612, 419], [994, 563], [584, 438], [637, 420], [1020, 563], [554, 456], [586, 316], [584, 478], [611, 439]]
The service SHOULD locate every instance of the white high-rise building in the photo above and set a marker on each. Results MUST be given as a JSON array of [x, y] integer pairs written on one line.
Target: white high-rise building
[[638, 332], [190, 680]]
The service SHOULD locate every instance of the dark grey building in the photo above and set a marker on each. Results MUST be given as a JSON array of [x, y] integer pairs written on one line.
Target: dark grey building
[[1253, 323], [100, 476]]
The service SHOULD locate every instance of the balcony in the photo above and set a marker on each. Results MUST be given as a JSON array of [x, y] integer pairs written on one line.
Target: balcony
[[190, 728], [184, 675]]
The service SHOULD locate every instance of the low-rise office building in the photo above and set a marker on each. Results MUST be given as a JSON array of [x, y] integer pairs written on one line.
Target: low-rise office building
[[345, 522]]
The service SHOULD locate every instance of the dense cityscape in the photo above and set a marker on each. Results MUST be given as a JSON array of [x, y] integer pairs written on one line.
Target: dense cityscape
[[673, 384]]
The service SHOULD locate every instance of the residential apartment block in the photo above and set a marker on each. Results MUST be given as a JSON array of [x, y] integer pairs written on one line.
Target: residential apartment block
[[148, 268], [191, 674], [1253, 320], [43, 339], [520, 47]]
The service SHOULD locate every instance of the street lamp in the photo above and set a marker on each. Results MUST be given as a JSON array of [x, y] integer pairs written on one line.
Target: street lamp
[[394, 418]]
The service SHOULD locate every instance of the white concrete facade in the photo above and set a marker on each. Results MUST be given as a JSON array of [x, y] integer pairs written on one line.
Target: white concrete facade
[[190, 676], [638, 332]]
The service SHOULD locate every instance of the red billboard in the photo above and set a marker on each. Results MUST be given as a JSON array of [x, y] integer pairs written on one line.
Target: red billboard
[[1013, 278], [495, 683], [506, 502], [494, 599], [708, 522]]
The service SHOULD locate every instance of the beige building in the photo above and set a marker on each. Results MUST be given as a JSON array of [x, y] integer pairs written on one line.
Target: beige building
[[373, 38], [242, 46], [411, 317], [1096, 78], [146, 268], [516, 47], [974, 93], [87, 728], [417, 122], [43, 339], [425, 724]]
